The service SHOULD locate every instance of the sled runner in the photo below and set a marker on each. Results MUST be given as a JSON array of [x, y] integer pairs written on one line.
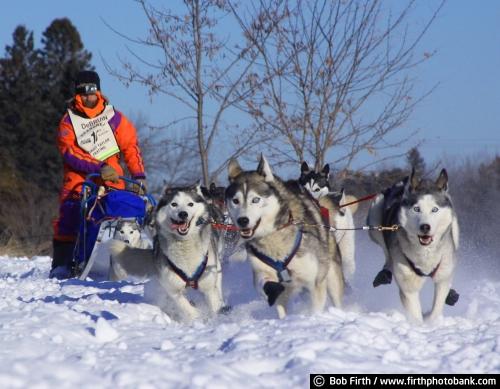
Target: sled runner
[[102, 210]]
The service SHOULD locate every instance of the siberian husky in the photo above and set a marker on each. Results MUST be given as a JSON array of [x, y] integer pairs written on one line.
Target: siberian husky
[[424, 245], [186, 251], [287, 247], [318, 185], [129, 231]]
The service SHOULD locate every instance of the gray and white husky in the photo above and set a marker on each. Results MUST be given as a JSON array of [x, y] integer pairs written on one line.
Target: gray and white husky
[[287, 250], [318, 185], [186, 251], [129, 231], [424, 246]]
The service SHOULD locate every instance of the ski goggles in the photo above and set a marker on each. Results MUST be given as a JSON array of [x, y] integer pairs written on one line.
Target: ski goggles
[[86, 89]]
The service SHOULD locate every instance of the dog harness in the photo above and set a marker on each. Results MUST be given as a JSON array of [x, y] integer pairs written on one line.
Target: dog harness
[[325, 212], [191, 282], [279, 266], [419, 272]]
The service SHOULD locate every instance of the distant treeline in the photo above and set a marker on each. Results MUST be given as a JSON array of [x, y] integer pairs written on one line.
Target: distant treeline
[[35, 85]]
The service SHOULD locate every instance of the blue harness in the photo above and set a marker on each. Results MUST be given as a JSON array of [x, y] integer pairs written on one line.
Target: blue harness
[[279, 266], [192, 281]]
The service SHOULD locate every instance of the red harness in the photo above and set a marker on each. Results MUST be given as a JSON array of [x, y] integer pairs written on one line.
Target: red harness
[[325, 215]]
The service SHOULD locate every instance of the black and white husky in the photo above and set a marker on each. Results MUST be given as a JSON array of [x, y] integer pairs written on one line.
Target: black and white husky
[[424, 245], [318, 185], [286, 257], [186, 253]]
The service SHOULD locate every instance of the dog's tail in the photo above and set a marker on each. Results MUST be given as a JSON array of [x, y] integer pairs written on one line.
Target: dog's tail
[[130, 261]]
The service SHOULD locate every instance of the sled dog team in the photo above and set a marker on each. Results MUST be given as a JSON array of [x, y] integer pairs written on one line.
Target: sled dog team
[[284, 226]]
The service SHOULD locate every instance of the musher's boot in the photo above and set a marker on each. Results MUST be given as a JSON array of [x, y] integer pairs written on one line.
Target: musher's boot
[[62, 260]]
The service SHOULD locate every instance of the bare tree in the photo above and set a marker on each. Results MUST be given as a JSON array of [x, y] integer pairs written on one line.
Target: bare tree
[[164, 152], [336, 78], [206, 73]]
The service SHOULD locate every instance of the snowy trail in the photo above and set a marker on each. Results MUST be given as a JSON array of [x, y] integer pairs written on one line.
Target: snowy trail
[[104, 334]]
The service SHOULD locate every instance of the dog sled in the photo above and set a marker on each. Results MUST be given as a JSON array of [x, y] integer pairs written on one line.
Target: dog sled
[[102, 210]]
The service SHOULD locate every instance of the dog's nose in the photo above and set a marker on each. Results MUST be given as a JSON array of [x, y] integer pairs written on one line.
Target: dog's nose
[[183, 215], [425, 228], [243, 221], [127, 241]]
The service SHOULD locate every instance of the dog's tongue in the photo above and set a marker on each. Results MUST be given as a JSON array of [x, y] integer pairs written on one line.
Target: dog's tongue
[[246, 232], [181, 226], [425, 239]]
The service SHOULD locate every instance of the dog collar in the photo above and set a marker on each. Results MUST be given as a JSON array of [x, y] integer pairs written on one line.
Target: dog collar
[[191, 282], [279, 266], [420, 272]]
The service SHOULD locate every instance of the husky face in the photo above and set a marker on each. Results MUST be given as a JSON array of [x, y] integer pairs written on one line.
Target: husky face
[[128, 231], [179, 211], [252, 201], [316, 183], [214, 195], [426, 211]]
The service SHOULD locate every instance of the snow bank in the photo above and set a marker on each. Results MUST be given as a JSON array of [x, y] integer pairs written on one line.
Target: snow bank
[[88, 333]]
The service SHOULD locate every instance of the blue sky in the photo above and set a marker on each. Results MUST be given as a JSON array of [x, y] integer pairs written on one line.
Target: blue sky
[[461, 119]]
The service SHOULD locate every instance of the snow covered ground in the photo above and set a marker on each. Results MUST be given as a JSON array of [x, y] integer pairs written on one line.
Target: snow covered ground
[[88, 334]]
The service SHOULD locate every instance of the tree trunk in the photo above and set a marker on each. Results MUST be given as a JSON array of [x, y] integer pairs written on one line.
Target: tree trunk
[[199, 94]]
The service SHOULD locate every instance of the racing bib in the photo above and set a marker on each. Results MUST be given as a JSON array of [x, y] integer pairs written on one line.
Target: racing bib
[[95, 135]]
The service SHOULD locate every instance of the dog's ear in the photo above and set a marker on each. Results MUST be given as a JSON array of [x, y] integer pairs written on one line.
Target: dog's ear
[[197, 188], [326, 170], [342, 201], [413, 180], [204, 192], [264, 169], [233, 169], [304, 168], [442, 180], [410, 183], [342, 196]]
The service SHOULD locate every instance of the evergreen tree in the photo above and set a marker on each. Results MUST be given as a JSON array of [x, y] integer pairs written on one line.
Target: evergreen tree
[[62, 57], [21, 109], [34, 88]]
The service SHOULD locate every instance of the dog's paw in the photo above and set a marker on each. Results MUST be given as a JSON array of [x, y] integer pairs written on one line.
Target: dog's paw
[[383, 277], [272, 291], [452, 297], [225, 310]]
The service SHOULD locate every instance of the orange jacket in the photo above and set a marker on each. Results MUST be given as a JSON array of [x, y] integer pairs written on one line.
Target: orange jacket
[[78, 163]]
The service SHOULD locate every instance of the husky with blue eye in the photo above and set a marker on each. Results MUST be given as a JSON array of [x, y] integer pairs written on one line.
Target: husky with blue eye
[[287, 246], [425, 244], [334, 214]]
